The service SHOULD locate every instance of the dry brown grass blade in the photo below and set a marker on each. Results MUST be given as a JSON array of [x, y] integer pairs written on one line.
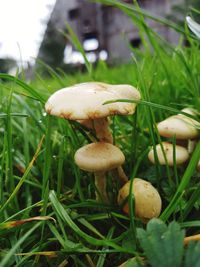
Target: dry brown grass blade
[[12, 224], [191, 238]]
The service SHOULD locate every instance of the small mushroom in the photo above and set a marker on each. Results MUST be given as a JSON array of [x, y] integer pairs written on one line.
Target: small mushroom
[[181, 155], [99, 158], [147, 199], [182, 127]]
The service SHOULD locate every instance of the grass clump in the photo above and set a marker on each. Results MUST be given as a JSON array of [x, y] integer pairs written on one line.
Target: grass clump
[[38, 177]]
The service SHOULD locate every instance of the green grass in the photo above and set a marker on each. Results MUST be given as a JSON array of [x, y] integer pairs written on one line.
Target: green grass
[[38, 176]]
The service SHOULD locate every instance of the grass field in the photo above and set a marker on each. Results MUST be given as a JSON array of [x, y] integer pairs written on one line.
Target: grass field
[[48, 212]]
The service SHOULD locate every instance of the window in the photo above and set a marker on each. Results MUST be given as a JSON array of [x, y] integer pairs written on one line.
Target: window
[[73, 13], [135, 42]]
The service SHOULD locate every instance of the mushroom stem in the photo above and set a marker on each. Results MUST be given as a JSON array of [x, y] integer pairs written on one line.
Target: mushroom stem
[[120, 174], [102, 130], [100, 183], [191, 145], [104, 134]]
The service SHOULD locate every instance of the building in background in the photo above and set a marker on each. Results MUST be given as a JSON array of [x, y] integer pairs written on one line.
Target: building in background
[[104, 31]]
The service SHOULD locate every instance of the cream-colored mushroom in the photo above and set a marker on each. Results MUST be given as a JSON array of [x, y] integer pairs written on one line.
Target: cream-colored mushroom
[[190, 111], [147, 199], [86, 101], [99, 158], [181, 154], [181, 126]]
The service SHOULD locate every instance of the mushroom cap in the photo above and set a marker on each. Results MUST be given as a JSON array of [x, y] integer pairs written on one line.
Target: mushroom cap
[[85, 101], [190, 111], [180, 126], [182, 154], [147, 199], [97, 157]]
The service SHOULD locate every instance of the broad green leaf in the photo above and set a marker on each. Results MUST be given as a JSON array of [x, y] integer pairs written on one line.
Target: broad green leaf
[[192, 258], [134, 262], [128, 241], [163, 246]]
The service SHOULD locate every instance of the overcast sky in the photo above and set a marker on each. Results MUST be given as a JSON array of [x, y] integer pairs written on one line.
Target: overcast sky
[[21, 27]]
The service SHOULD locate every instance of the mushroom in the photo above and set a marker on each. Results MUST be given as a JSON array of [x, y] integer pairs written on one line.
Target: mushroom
[[181, 155], [147, 199], [180, 126], [84, 103], [184, 128], [99, 158]]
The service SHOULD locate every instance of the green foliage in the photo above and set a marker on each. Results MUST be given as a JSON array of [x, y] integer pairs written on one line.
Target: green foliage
[[192, 255], [162, 245], [134, 262]]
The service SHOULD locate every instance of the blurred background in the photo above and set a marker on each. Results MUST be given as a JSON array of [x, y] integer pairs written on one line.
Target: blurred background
[[33, 33]]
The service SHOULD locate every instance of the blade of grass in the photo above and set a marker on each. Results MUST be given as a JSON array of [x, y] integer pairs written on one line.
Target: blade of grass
[[3, 115], [9, 169], [24, 85], [102, 257], [18, 186], [12, 251], [155, 105], [66, 218], [75, 41], [146, 14], [190, 202], [47, 154], [60, 167]]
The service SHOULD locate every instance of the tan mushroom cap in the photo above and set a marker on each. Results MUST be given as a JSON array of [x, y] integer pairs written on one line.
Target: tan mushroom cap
[[182, 154], [182, 127], [97, 157], [147, 199], [85, 101]]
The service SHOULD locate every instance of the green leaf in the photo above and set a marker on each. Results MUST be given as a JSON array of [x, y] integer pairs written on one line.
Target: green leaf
[[134, 262], [192, 255], [128, 241], [162, 245]]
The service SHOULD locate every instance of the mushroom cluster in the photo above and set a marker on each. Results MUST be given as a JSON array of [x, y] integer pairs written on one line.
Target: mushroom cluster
[[185, 130], [85, 103]]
